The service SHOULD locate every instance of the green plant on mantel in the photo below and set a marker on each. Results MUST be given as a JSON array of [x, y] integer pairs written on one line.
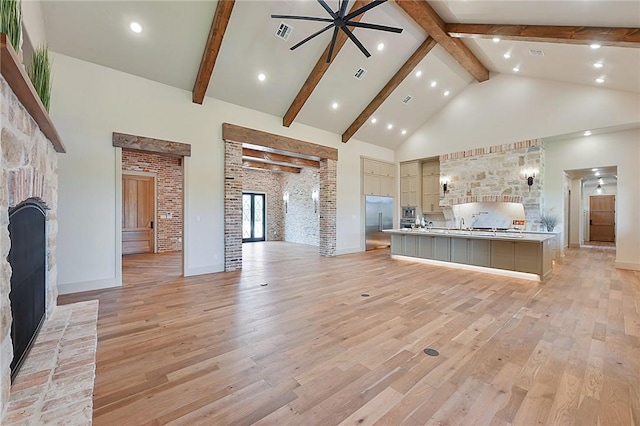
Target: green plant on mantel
[[40, 74], [11, 21]]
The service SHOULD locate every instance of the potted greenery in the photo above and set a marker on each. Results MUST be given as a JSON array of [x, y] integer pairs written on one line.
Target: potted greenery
[[549, 220], [39, 72], [11, 21]]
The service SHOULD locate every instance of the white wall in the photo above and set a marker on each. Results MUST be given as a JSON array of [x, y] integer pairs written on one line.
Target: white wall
[[89, 102], [621, 149]]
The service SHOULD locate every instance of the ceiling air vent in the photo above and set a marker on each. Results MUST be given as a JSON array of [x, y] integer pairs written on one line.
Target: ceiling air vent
[[284, 31], [536, 52], [360, 73], [407, 99]]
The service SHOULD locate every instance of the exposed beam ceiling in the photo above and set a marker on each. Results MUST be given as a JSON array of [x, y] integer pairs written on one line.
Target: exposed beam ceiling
[[388, 89], [279, 158], [620, 37], [271, 167], [212, 48], [319, 69], [424, 15]]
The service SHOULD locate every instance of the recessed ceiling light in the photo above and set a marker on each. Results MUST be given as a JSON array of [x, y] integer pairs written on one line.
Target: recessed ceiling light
[[599, 80], [434, 83], [418, 73], [262, 77], [597, 173], [389, 126], [447, 93], [595, 46], [598, 65], [381, 46], [373, 120], [507, 55], [334, 105], [516, 69], [587, 133], [496, 39], [404, 132], [594, 170], [600, 181], [135, 27]]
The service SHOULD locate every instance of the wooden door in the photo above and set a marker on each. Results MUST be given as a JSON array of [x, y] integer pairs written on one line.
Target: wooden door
[[138, 213], [602, 217]]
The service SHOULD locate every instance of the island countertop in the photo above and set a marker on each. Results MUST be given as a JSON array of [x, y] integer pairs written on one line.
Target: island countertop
[[468, 233]]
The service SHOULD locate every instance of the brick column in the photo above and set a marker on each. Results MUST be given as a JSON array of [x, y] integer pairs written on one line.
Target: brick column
[[327, 208], [232, 205]]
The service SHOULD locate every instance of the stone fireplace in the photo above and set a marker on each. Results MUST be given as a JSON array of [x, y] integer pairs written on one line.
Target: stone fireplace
[[29, 170]]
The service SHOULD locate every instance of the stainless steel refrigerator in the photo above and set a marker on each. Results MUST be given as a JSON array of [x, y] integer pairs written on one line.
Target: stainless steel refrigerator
[[378, 216]]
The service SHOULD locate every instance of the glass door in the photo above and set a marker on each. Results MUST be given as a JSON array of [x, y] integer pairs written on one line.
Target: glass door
[[253, 223]]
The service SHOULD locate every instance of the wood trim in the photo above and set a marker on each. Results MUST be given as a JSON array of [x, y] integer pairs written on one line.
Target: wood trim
[[232, 132], [386, 91], [159, 146], [267, 166], [17, 78], [619, 37], [279, 158], [319, 70], [424, 15], [219, 24]]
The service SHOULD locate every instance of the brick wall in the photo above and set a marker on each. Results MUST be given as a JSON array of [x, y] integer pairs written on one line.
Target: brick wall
[[168, 171], [328, 207], [270, 184], [232, 205], [302, 224]]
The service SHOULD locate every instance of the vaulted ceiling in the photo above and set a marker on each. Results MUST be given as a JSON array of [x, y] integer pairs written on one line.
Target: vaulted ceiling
[[425, 66]]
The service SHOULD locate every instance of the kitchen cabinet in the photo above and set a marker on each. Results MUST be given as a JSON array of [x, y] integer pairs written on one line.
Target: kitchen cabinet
[[431, 187], [404, 245], [378, 178], [410, 183], [502, 255], [442, 249], [471, 251]]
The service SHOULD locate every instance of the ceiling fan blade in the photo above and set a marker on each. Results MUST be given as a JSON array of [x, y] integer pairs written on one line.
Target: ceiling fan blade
[[353, 38], [332, 45], [363, 9], [374, 26], [343, 8], [328, 9], [303, 18], [317, 33]]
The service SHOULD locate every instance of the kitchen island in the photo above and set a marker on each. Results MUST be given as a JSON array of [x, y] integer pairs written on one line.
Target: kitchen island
[[510, 251]]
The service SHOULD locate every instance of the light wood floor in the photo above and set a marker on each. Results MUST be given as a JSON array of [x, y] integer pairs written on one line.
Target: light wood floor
[[308, 348]]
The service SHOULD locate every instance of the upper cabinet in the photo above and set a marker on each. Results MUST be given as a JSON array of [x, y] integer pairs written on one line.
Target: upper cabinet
[[410, 183], [431, 187], [378, 178]]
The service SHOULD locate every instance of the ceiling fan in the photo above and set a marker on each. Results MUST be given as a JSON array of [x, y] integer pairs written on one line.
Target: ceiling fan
[[341, 20]]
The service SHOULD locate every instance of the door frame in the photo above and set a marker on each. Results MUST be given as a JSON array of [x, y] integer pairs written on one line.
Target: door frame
[[155, 204], [264, 216]]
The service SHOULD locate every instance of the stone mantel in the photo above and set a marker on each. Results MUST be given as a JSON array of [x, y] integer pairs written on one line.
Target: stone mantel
[[17, 78]]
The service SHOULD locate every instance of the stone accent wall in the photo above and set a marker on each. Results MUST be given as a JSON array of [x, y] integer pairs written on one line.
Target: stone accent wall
[[29, 169], [494, 174], [302, 224], [328, 206], [168, 171], [232, 205], [270, 184]]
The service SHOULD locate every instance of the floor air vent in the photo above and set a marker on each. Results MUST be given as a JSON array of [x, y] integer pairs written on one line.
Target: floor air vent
[[284, 31]]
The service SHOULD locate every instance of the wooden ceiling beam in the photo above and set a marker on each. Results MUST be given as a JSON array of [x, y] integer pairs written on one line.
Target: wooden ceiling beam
[[279, 158], [319, 70], [271, 167], [212, 48], [424, 15], [386, 91], [620, 37]]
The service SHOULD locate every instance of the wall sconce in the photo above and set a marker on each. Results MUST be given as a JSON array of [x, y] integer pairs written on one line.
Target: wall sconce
[[315, 196], [285, 198], [529, 175], [444, 181]]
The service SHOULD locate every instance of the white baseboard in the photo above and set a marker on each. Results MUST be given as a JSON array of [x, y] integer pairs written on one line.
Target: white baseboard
[[201, 270], [348, 250], [628, 265], [80, 286]]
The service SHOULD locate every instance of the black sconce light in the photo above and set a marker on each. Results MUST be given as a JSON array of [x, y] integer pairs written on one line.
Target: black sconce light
[[444, 181], [529, 175]]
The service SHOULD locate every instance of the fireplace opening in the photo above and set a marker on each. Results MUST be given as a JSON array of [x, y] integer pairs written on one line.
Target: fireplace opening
[[27, 257]]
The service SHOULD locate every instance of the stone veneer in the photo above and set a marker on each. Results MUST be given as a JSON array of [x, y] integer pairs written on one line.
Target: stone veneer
[[302, 224], [328, 208], [270, 184], [168, 173], [29, 169], [494, 174]]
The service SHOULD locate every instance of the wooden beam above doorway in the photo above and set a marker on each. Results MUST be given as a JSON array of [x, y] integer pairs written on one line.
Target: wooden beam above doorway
[[249, 164], [278, 158], [141, 143], [232, 132]]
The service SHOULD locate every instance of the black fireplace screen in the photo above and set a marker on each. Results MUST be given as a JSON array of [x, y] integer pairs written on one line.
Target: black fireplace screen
[[27, 257]]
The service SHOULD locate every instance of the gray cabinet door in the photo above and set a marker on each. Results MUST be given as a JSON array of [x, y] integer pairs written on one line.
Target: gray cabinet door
[[397, 244], [502, 255], [411, 245], [479, 252], [528, 257], [441, 248], [425, 247], [459, 250]]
